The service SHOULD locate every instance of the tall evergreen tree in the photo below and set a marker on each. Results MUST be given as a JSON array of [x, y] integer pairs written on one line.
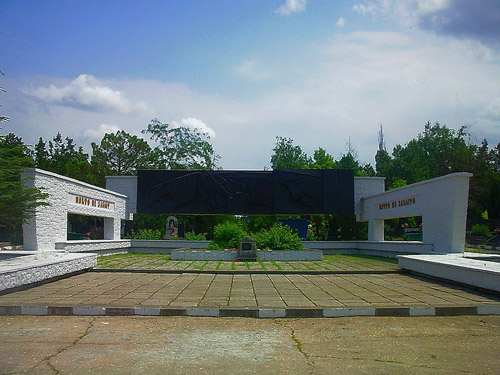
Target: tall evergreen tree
[[17, 202], [62, 156]]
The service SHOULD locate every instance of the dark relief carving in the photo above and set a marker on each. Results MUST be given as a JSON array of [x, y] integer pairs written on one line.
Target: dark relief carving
[[324, 191]]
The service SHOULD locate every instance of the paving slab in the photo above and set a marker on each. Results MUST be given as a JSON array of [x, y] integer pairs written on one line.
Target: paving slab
[[206, 294]]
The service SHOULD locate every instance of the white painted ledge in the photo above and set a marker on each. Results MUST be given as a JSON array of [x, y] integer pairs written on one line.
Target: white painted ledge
[[456, 267]]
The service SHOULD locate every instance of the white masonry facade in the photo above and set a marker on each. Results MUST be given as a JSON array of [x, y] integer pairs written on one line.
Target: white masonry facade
[[66, 196]]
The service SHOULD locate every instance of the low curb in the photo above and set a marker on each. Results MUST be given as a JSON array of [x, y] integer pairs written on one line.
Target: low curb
[[250, 312]]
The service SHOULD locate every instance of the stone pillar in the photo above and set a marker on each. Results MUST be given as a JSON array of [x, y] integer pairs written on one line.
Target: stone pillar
[[376, 230], [109, 229]]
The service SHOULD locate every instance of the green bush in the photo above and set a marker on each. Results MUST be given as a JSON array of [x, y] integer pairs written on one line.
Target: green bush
[[480, 230], [147, 234], [278, 237], [191, 236], [311, 237], [227, 235]]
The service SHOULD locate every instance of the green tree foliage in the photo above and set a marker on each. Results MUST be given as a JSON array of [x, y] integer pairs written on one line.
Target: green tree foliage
[[62, 156], [147, 234], [384, 165], [495, 159], [440, 150], [181, 147], [322, 160], [120, 154], [17, 202], [493, 203], [288, 156], [437, 151]]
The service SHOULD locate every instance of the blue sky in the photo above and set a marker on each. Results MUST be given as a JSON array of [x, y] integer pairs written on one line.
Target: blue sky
[[247, 71]]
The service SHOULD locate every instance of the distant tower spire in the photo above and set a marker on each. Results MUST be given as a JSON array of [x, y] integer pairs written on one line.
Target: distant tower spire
[[381, 142]]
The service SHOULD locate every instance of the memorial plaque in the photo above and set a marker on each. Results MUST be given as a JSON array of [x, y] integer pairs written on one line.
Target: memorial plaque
[[247, 249], [326, 191]]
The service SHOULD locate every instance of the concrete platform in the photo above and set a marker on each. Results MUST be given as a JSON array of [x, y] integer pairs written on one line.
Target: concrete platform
[[474, 269], [21, 268]]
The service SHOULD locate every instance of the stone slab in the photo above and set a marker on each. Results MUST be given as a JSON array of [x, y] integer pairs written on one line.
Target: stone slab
[[24, 270], [462, 268]]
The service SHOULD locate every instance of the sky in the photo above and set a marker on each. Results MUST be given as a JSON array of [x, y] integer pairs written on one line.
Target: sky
[[322, 72]]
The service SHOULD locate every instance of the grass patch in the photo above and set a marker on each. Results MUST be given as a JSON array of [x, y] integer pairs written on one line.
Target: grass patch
[[273, 262], [219, 264], [354, 257], [262, 265], [120, 260], [201, 266], [292, 266]]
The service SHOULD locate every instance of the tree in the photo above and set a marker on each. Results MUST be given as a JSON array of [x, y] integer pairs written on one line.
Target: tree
[[17, 202], [322, 160], [437, 151], [181, 147], [288, 156], [120, 154], [62, 156], [495, 158]]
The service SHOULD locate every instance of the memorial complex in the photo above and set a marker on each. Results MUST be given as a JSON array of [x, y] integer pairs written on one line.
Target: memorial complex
[[441, 202]]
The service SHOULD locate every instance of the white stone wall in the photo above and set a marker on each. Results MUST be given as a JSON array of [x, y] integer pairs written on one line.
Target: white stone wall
[[126, 185], [34, 268], [67, 195], [365, 187], [441, 201]]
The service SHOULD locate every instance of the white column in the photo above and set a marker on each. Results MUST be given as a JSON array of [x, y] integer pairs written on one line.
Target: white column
[[109, 228], [376, 230]]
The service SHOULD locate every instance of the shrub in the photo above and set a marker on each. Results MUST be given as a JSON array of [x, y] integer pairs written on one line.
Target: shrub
[[147, 234], [311, 237], [191, 236], [480, 230], [227, 235], [278, 237]]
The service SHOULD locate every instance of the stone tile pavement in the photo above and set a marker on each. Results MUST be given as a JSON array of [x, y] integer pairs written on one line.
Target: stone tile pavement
[[259, 295]]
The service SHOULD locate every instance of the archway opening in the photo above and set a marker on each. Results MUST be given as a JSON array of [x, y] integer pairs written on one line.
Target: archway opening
[[81, 227]]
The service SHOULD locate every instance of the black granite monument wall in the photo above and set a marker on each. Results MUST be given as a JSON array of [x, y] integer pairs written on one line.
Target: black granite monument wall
[[315, 191]]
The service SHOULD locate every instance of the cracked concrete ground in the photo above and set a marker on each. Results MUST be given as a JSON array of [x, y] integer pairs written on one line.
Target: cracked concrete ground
[[184, 345]]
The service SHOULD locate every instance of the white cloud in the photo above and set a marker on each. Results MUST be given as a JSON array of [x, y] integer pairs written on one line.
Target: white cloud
[[97, 134], [292, 6], [194, 123], [340, 22], [348, 87], [87, 92], [461, 19], [430, 6], [252, 70]]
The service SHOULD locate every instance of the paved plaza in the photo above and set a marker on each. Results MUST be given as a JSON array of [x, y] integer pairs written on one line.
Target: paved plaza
[[153, 285]]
